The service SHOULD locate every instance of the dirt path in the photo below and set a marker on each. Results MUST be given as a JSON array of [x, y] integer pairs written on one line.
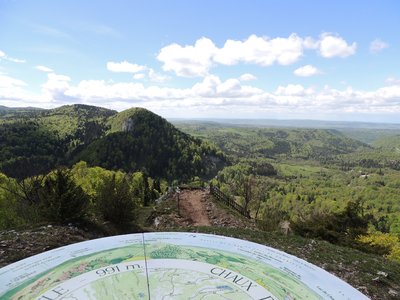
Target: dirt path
[[192, 206], [197, 208]]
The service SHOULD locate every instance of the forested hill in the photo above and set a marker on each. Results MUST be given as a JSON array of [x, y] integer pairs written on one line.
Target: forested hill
[[389, 143], [13, 111], [317, 144], [141, 140], [36, 141]]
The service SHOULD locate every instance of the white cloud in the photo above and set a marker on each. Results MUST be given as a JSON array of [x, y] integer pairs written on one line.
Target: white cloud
[[335, 46], [210, 95], [7, 82], [188, 61], [247, 77], [393, 81], [389, 92], [152, 76], [99, 91], [293, 90], [12, 59], [13, 92], [377, 45], [124, 67], [55, 87], [90, 90], [16, 60], [44, 69], [156, 77], [213, 87], [306, 71], [138, 76], [208, 87], [197, 60], [261, 50]]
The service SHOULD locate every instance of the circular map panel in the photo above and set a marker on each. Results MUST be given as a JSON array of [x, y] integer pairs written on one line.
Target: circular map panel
[[169, 266]]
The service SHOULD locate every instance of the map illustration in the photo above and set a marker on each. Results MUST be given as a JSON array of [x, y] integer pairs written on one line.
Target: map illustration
[[169, 266]]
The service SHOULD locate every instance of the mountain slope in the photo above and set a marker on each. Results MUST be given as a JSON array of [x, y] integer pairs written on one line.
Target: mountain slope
[[74, 121], [273, 142], [135, 139], [34, 141], [28, 149], [389, 143], [15, 111], [141, 140]]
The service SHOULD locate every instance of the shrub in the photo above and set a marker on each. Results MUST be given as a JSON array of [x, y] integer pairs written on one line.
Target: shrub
[[114, 201], [383, 243], [341, 227]]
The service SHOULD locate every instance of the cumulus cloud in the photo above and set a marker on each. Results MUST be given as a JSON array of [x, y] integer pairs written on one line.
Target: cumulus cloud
[[213, 87], [377, 45], [335, 46], [209, 95], [306, 71], [124, 67], [261, 50], [13, 92], [56, 86], [293, 90], [247, 77], [90, 90], [197, 60], [44, 69], [188, 61], [2, 54]]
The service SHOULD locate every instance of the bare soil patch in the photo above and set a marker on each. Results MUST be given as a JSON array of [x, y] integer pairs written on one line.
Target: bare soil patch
[[192, 206]]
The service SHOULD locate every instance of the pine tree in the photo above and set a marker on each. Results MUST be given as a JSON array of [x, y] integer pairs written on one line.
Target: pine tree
[[61, 199]]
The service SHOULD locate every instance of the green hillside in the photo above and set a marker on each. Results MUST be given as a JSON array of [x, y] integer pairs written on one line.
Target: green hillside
[[15, 111], [142, 140], [132, 140], [27, 149], [34, 141], [75, 120], [317, 144], [390, 143]]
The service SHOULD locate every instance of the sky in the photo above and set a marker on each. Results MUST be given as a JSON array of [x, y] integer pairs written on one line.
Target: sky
[[322, 60]]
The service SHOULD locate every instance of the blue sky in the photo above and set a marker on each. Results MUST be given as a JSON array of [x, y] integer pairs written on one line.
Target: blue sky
[[329, 60]]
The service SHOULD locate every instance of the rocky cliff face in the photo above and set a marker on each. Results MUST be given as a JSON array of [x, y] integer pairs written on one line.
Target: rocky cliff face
[[128, 125]]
